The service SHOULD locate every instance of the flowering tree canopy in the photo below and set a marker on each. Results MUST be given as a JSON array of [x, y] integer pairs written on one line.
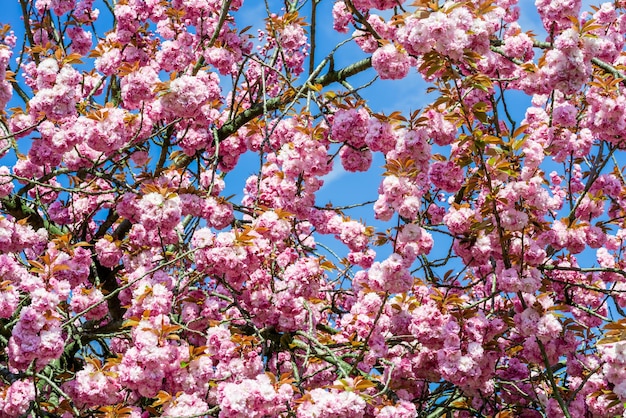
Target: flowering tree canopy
[[147, 270]]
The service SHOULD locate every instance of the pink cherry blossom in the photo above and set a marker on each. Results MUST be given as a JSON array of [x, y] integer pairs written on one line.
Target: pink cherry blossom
[[390, 63]]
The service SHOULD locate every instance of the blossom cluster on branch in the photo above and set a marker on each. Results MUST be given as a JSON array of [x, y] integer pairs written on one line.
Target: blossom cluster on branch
[[487, 278]]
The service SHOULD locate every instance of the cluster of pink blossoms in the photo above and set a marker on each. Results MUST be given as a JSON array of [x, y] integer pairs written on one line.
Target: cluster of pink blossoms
[[15, 398]]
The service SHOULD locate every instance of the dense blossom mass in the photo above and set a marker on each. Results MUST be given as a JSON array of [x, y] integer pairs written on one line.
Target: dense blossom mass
[[165, 249]]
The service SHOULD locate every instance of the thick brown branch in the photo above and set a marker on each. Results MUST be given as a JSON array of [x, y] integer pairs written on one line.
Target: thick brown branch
[[274, 103]]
